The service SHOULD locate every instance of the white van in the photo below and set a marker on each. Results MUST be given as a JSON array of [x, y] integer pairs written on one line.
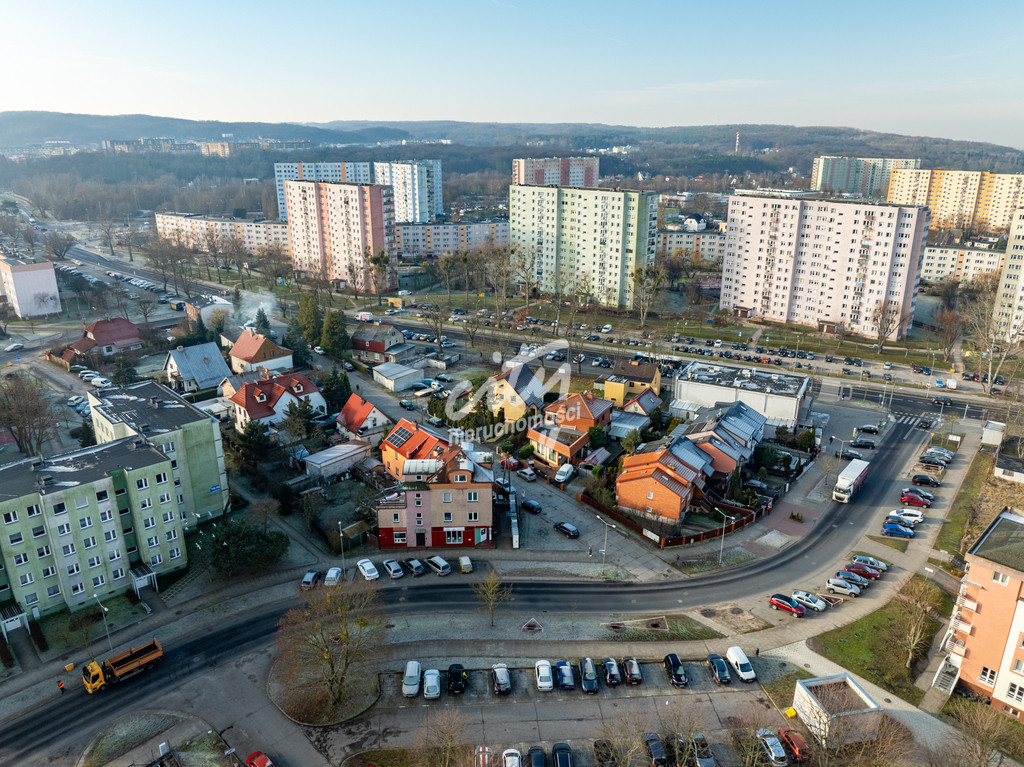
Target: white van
[[439, 565], [364, 317], [564, 473], [606, 329], [411, 680], [741, 664]]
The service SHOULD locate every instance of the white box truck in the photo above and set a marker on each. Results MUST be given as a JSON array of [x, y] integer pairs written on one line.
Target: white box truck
[[849, 480]]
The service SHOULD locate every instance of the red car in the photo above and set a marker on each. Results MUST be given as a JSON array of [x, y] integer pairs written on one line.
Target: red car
[[783, 602], [863, 570], [258, 759], [909, 499], [511, 463]]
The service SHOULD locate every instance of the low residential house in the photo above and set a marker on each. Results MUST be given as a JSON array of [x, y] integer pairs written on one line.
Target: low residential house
[[623, 423], [375, 344], [629, 378], [409, 441], [446, 503], [645, 403], [1010, 460], [107, 338], [663, 481], [557, 445], [728, 436], [327, 464], [515, 393], [193, 368], [267, 400], [580, 411], [359, 418], [230, 384], [253, 351]]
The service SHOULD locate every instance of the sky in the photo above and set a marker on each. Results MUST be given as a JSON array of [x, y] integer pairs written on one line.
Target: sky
[[936, 68]]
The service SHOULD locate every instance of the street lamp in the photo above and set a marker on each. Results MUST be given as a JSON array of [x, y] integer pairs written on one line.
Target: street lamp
[[105, 625], [721, 550], [341, 538], [604, 551]]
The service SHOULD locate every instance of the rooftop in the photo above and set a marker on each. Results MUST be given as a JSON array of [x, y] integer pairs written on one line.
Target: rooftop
[[560, 434], [750, 379], [23, 259], [146, 404], [1009, 457], [81, 467], [1003, 542]]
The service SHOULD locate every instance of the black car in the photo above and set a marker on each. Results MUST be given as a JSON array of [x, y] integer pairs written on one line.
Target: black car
[[612, 677], [867, 444], [655, 750], [631, 670], [719, 671], [868, 428], [848, 455], [414, 567], [531, 506], [588, 676], [456, 679], [675, 670], [604, 754], [924, 423], [946, 401], [407, 405], [925, 479], [829, 358], [569, 531]]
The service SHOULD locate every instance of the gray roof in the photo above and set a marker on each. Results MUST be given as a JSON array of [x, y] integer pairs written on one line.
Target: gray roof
[[202, 363], [623, 423], [148, 404], [78, 468], [745, 378], [1003, 542], [687, 452], [525, 384], [395, 369], [742, 421]]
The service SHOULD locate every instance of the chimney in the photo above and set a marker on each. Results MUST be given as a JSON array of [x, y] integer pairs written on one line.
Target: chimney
[[181, 348], [155, 402]]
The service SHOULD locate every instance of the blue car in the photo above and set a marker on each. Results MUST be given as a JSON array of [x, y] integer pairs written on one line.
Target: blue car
[[897, 531], [564, 675]]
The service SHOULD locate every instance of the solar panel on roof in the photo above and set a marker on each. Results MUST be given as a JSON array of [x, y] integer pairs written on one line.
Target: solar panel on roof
[[399, 436]]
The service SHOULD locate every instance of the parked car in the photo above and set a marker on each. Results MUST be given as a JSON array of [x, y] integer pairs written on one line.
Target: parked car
[[414, 567], [918, 491], [841, 586], [910, 517], [411, 679], [456, 679], [564, 675], [675, 670], [76, 400], [867, 444], [912, 499], [796, 744], [510, 757], [542, 673], [531, 506], [393, 569], [655, 750], [858, 580], [612, 677], [848, 455], [588, 676], [790, 605], [868, 428], [925, 479], [700, 752], [875, 564], [99, 382], [810, 601], [511, 463], [367, 570], [431, 684], [568, 530], [561, 755], [771, 749], [931, 460], [528, 474], [936, 450], [258, 759], [897, 531], [439, 565], [719, 671], [863, 571], [310, 579], [500, 679], [631, 670], [406, 405], [333, 577]]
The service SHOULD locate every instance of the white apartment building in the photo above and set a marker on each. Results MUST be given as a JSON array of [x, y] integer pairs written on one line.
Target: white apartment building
[[30, 285], [352, 172], [336, 227], [603, 233], [556, 171], [435, 240], [710, 244], [196, 232], [417, 188], [864, 176], [821, 263], [958, 263], [1010, 302]]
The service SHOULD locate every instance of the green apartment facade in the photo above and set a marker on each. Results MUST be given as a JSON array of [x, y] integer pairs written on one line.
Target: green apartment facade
[[93, 522]]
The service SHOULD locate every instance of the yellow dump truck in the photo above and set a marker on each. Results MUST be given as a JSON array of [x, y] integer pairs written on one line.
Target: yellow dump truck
[[98, 674]]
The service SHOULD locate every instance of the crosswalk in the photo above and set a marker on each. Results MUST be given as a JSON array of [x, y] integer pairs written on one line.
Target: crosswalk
[[913, 418]]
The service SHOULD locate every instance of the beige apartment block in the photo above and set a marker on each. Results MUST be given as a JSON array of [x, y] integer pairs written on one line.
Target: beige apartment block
[[981, 201]]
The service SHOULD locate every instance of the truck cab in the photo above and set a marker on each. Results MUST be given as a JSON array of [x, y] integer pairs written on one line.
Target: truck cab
[[93, 677]]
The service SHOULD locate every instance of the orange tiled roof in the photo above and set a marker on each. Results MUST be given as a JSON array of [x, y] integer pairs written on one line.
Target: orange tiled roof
[[249, 345]]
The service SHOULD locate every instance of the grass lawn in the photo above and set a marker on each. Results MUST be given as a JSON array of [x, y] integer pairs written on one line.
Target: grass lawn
[[120, 613], [900, 544], [868, 646], [680, 628], [389, 757], [780, 690], [959, 516]]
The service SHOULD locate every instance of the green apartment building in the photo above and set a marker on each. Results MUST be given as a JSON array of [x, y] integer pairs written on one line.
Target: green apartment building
[[605, 234], [93, 522], [189, 437]]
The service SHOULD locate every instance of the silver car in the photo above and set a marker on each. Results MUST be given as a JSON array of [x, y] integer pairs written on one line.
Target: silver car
[[772, 749], [810, 601]]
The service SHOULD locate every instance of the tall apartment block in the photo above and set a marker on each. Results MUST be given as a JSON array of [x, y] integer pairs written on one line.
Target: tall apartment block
[[417, 188], [29, 284], [352, 172], [556, 171], [864, 176], [1009, 309], [603, 233], [188, 436], [96, 521], [441, 239], [821, 263], [982, 201], [335, 227]]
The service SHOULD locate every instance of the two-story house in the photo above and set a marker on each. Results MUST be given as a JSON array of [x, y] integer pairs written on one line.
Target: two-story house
[[557, 445], [629, 378], [410, 441], [515, 392], [267, 400], [253, 351], [375, 344], [360, 418], [193, 368], [105, 338], [580, 411], [663, 481]]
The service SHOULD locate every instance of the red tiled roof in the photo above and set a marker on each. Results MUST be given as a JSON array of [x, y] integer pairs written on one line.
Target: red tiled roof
[[273, 389], [589, 405], [252, 347], [117, 331], [354, 412], [420, 444]]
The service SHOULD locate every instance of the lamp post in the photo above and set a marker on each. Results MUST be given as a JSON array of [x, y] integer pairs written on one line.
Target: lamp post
[[721, 550], [105, 625], [604, 551], [341, 545]]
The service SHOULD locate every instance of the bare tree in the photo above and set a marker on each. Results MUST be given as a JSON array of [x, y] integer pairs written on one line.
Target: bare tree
[[994, 336], [561, 287], [146, 304], [58, 244], [524, 270], [472, 326], [443, 735], [950, 327], [499, 276], [211, 243], [234, 250], [645, 283], [263, 509], [133, 238], [829, 464], [276, 264], [445, 270], [108, 231], [492, 593], [31, 236], [25, 411], [888, 317], [984, 738], [435, 321]]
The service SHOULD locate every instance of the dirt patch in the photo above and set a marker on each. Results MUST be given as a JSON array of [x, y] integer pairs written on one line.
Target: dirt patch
[[735, 618], [127, 733]]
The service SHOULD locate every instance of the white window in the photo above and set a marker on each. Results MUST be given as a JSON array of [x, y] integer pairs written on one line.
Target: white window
[[142, 484], [177, 481], [395, 518], [110, 535], [106, 516], [16, 538], [149, 522], [53, 591], [81, 503], [10, 516], [472, 496], [168, 517], [85, 523], [161, 478], [114, 555], [174, 553], [399, 536], [59, 508], [152, 541], [168, 447], [74, 569], [1018, 666], [31, 599], [94, 562], [447, 516], [172, 535], [156, 559], [447, 497], [27, 579], [89, 542], [38, 532], [63, 529], [49, 571], [181, 499], [118, 573], [68, 549], [78, 588], [1001, 578], [453, 536], [33, 510], [98, 581], [987, 676], [43, 551], [101, 495], [165, 498], [146, 503]]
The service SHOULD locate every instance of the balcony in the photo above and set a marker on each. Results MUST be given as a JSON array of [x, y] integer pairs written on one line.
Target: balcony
[[966, 604], [955, 646]]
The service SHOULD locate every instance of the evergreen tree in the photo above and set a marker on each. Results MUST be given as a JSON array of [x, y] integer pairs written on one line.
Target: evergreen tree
[[254, 442], [334, 338], [311, 318], [336, 390], [236, 300], [294, 340], [124, 373], [86, 437], [298, 420], [262, 323]]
